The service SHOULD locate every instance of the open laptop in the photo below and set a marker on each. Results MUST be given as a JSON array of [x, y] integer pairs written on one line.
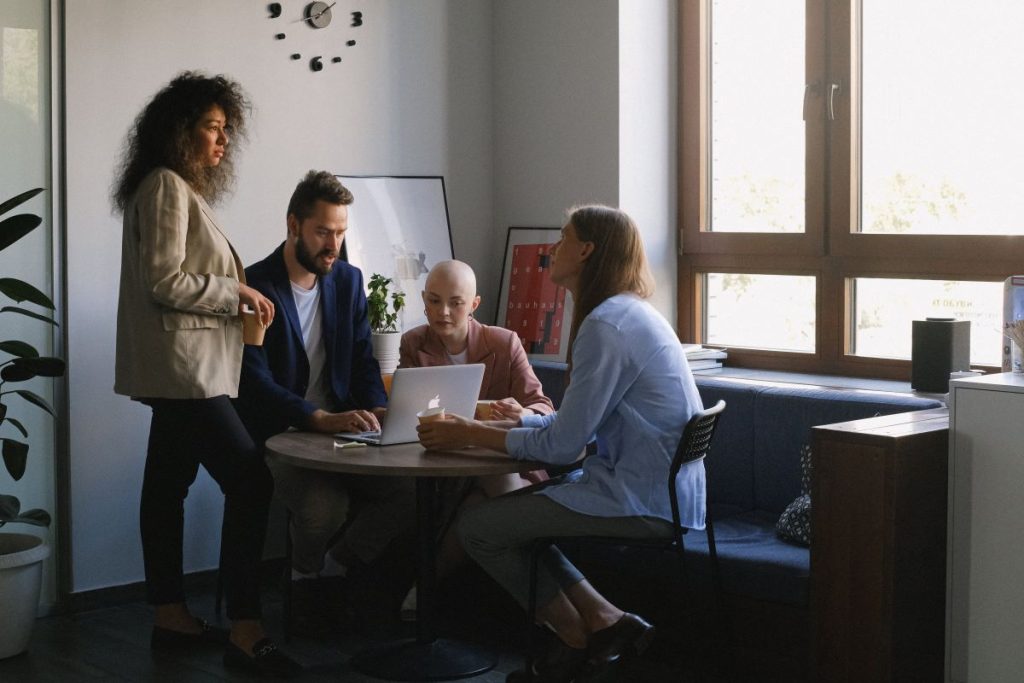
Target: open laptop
[[454, 387]]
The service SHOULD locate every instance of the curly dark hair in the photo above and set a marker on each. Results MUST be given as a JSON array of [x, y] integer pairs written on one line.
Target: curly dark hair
[[314, 186], [162, 135]]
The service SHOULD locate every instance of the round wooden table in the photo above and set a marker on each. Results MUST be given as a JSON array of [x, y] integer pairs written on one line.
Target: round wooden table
[[425, 657]]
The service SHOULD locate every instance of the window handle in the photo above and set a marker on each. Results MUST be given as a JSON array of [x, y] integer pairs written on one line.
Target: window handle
[[833, 90], [809, 89]]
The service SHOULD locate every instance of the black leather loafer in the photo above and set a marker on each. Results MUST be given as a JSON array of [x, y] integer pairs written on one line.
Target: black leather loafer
[[630, 634], [560, 664], [266, 660], [168, 639]]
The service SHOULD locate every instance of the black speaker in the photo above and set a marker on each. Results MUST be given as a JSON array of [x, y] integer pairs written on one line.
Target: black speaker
[[940, 346]]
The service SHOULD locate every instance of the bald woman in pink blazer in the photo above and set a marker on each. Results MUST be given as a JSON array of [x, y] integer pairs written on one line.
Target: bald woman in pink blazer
[[507, 371], [451, 336]]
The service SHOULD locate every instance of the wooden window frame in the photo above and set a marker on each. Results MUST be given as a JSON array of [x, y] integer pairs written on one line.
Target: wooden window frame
[[828, 248]]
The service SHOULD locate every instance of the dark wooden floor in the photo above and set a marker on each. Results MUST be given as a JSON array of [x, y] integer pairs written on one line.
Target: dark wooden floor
[[112, 644]]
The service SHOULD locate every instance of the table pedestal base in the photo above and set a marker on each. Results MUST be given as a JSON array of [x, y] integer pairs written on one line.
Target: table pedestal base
[[410, 660]]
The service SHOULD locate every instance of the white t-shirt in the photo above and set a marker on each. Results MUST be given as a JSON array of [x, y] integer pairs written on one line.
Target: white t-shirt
[[307, 303], [458, 358]]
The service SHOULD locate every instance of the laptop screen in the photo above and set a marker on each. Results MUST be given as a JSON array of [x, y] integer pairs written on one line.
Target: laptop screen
[[452, 387]]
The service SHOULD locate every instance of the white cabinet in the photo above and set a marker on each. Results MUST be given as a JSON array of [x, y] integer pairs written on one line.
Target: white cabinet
[[985, 563]]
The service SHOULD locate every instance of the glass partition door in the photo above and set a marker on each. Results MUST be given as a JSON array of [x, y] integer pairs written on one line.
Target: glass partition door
[[26, 144]]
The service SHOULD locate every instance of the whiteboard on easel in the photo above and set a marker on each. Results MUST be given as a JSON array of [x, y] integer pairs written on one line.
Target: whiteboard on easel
[[398, 226]]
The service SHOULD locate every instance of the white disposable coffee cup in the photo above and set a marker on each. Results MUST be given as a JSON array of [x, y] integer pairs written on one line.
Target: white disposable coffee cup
[[430, 414]]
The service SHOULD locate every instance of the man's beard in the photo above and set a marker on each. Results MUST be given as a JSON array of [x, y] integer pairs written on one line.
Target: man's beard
[[307, 261]]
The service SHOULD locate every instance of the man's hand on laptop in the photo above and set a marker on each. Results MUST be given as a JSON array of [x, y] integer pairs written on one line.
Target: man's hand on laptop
[[349, 421]]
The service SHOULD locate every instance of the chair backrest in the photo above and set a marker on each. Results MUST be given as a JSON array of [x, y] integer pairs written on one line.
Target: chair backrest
[[693, 446]]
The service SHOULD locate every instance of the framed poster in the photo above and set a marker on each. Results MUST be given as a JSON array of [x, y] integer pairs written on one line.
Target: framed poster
[[398, 226], [529, 303]]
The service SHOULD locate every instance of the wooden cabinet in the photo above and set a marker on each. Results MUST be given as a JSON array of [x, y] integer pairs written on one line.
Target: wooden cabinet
[[878, 553], [985, 617]]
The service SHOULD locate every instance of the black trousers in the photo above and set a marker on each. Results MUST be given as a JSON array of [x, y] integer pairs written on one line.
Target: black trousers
[[184, 434]]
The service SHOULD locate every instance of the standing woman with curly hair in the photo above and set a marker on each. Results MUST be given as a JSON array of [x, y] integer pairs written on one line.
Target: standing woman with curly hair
[[179, 351]]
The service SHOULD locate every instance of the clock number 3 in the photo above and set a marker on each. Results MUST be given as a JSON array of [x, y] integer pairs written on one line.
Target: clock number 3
[[357, 19]]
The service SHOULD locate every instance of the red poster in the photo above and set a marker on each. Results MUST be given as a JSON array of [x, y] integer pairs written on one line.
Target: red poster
[[535, 304]]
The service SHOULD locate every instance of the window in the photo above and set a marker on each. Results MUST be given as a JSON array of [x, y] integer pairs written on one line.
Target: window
[[766, 311], [757, 180], [849, 175], [884, 305]]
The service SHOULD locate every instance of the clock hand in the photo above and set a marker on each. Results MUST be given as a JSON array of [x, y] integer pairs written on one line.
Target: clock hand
[[314, 17], [325, 9]]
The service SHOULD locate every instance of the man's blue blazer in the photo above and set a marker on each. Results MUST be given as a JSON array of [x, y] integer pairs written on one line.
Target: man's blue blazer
[[275, 376]]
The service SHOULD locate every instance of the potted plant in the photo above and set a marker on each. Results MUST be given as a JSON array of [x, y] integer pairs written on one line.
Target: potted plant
[[21, 555], [384, 322]]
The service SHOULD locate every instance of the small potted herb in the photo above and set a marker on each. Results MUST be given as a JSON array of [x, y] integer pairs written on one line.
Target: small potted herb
[[383, 307]]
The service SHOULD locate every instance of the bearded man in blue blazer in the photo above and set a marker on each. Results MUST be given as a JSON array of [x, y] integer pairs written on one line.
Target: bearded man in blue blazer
[[315, 371]]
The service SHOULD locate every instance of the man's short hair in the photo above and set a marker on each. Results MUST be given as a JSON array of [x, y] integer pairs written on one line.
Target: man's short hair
[[315, 186]]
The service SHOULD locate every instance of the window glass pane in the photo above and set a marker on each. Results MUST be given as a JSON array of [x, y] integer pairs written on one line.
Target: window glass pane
[[885, 309], [942, 137], [757, 131], [760, 311]]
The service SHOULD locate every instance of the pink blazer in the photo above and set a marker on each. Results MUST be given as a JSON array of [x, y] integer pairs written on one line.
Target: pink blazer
[[507, 371]]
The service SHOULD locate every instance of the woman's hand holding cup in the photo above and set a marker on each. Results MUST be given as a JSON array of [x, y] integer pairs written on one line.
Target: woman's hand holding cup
[[444, 432], [253, 300], [257, 313]]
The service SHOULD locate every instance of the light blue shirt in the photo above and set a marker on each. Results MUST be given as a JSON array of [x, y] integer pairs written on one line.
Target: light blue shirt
[[631, 387]]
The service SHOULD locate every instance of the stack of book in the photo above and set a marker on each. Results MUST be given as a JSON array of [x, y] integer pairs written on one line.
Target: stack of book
[[704, 357]]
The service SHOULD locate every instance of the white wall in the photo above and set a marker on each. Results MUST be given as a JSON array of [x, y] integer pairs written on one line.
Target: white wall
[[555, 112], [413, 97], [585, 111], [647, 135]]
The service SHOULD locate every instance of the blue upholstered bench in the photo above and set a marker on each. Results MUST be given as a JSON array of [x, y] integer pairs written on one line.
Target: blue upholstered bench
[[754, 473]]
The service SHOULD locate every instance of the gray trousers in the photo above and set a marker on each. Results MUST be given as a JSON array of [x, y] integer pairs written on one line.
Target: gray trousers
[[385, 508], [499, 533]]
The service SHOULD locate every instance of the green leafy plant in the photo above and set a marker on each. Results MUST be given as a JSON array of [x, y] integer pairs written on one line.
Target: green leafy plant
[[381, 320], [24, 363]]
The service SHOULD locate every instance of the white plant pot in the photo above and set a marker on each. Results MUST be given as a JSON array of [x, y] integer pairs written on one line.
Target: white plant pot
[[21, 572], [386, 350]]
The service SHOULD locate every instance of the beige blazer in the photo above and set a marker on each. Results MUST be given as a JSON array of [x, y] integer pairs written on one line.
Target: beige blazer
[[178, 331]]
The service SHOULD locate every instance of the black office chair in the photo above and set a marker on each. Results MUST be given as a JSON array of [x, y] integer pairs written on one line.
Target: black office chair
[[693, 446]]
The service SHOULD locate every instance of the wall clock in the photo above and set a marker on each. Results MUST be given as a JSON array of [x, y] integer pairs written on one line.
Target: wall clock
[[315, 16]]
